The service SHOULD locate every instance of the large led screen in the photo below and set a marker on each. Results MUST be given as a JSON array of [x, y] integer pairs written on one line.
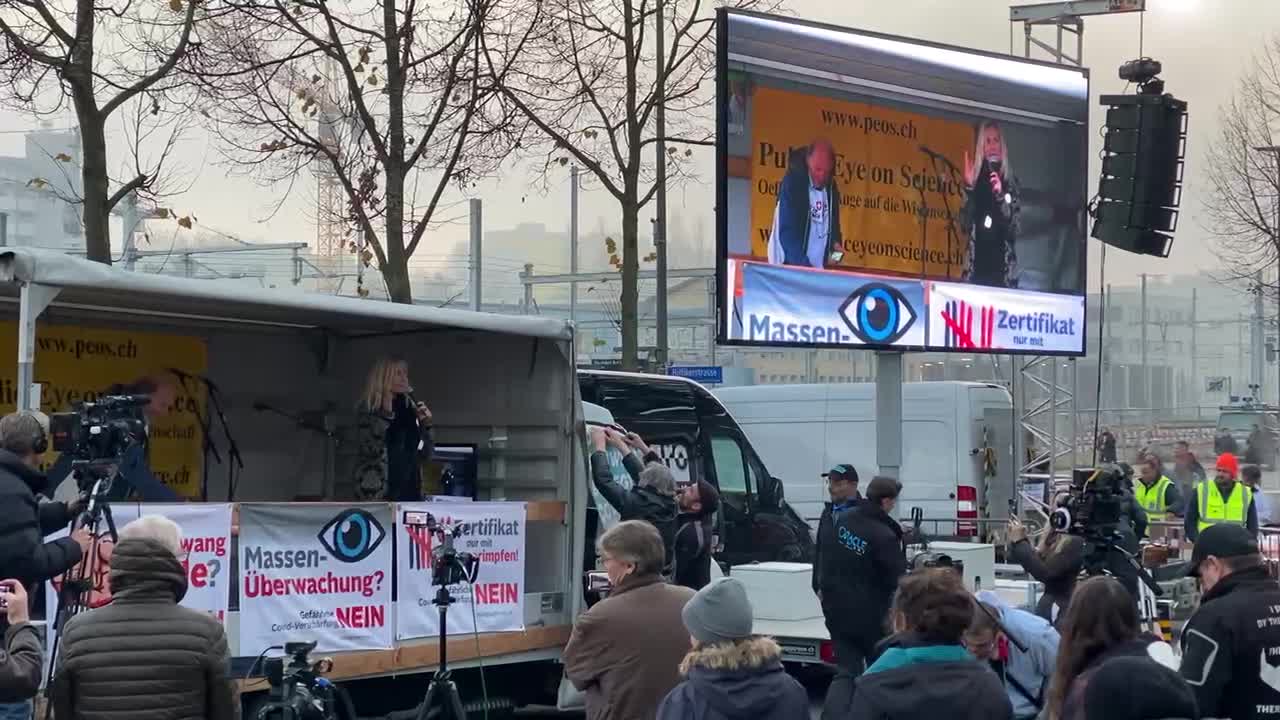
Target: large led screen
[[882, 192]]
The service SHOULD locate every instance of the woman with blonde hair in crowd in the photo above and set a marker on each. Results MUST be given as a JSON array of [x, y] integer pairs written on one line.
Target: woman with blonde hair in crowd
[[1055, 562], [395, 435]]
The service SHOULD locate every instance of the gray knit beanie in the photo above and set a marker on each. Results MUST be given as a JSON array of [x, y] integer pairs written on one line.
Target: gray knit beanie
[[720, 612]]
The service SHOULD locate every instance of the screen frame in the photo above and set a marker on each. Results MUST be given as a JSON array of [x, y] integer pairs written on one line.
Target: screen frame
[[724, 306]]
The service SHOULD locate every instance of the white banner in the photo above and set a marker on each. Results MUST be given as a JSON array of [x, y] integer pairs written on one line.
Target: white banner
[[315, 573], [492, 531], [973, 317], [206, 542]]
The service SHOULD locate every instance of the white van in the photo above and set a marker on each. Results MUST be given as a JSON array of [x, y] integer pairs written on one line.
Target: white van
[[801, 431]]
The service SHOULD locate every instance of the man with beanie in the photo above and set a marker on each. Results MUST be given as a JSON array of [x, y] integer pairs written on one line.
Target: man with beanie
[[1221, 500], [731, 674], [1231, 645], [1138, 688]]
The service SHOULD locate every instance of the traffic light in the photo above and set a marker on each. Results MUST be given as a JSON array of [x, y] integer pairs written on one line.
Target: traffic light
[[1142, 163]]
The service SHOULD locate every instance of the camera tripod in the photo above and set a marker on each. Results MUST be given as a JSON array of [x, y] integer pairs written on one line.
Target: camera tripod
[[76, 591], [1148, 588], [442, 701]]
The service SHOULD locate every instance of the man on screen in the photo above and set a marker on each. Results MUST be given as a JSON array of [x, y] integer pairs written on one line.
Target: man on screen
[[806, 221]]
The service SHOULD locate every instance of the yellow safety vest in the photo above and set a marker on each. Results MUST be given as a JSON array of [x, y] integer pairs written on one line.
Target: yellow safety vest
[[1214, 510], [1152, 498]]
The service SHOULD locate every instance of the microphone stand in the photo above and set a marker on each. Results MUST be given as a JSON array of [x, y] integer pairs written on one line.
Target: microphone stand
[[236, 463], [297, 420], [206, 434]]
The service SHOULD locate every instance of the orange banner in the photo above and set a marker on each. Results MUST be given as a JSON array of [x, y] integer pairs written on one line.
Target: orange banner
[[888, 185]]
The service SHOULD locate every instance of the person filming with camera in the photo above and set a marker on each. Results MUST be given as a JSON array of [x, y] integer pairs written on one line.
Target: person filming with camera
[[1222, 500]]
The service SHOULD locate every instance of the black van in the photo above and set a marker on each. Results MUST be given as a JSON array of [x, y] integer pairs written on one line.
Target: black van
[[699, 440]]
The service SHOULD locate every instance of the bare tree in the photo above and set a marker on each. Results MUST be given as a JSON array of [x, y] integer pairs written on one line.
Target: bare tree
[[390, 99], [101, 56], [1242, 205], [590, 86]]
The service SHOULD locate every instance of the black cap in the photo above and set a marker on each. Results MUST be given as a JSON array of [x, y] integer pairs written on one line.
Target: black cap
[[1224, 540], [843, 471]]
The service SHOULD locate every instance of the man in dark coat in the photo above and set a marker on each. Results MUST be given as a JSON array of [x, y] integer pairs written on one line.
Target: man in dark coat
[[1227, 645], [24, 555], [693, 546], [652, 498], [860, 562], [144, 656], [807, 222]]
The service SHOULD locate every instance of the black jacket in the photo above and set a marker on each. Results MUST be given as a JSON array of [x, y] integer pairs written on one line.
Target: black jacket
[[693, 551], [24, 555], [1073, 707], [1228, 645], [921, 681], [743, 680], [638, 503], [793, 214], [859, 561], [1058, 572]]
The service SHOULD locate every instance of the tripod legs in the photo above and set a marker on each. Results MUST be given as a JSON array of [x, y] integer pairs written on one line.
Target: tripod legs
[[442, 701]]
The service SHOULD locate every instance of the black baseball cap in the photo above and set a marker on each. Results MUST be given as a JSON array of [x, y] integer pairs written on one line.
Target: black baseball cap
[[843, 471], [1223, 541]]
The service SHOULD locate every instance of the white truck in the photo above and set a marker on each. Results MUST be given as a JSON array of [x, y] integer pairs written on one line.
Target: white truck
[[956, 445]]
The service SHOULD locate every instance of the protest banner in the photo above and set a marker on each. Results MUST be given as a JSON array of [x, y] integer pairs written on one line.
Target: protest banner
[[492, 531], [315, 573], [206, 545]]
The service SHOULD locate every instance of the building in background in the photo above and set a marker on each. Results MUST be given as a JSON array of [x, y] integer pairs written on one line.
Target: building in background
[[39, 190]]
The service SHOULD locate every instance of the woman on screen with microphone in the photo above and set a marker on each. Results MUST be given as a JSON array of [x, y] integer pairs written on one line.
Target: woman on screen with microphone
[[991, 210], [395, 435]]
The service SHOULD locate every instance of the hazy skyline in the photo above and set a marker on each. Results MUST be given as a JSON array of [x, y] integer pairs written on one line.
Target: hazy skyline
[[1203, 44]]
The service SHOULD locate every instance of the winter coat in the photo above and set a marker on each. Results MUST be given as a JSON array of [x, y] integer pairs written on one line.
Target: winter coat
[[1057, 571], [743, 680], [144, 657], [859, 563], [1227, 648], [390, 451], [638, 503], [21, 663], [624, 653], [24, 555], [925, 682]]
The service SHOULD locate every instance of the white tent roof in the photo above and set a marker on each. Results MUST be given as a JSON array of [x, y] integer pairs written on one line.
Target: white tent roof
[[93, 286]]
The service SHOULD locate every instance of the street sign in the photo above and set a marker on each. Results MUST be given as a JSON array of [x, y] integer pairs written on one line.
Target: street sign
[[707, 374]]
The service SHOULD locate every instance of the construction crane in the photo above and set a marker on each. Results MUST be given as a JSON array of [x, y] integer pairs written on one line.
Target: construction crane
[[331, 198]]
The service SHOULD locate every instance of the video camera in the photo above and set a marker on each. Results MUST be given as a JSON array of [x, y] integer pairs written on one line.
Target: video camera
[[98, 433], [448, 566], [1094, 506], [298, 690]]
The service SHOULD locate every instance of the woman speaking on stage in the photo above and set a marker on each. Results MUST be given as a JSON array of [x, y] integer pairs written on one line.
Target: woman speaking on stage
[[991, 210]]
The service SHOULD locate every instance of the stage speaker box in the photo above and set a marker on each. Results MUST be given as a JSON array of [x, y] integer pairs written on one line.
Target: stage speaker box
[[1142, 163]]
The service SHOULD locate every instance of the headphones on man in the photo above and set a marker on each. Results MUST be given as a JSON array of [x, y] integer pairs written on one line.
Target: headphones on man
[[39, 443]]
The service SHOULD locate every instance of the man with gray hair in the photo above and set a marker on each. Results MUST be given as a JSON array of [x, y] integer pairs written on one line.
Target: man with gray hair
[[144, 655], [652, 498], [624, 653], [24, 555]]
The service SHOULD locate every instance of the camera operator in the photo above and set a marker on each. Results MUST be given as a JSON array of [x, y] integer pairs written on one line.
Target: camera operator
[[145, 656], [1056, 563], [24, 555], [1221, 500], [652, 498], [859, 566], [1025, 674], [21, 658]]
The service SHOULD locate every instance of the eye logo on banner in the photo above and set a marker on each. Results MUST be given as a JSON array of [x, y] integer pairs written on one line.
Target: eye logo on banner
[[878, 313], [352, 535]]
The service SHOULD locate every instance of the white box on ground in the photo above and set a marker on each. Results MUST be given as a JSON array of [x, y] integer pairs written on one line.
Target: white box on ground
[[780, 590], [979, 562]]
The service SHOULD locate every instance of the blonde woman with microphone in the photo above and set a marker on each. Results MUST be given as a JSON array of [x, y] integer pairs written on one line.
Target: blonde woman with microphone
[[395, 434]]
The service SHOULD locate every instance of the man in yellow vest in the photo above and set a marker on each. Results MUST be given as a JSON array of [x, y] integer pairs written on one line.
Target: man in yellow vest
[[1221, 500], [1155, 492]]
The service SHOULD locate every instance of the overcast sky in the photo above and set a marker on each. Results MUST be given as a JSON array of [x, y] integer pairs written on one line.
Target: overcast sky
[[1204, 44]]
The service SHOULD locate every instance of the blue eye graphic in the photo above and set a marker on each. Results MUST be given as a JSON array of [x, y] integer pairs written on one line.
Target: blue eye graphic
[[352, 535], [878, 314]]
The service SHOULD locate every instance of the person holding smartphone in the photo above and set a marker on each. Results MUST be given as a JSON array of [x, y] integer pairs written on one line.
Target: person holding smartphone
[[22, 659]]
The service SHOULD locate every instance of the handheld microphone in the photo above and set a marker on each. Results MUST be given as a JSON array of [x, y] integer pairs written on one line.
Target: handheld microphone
[[994, 162]]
